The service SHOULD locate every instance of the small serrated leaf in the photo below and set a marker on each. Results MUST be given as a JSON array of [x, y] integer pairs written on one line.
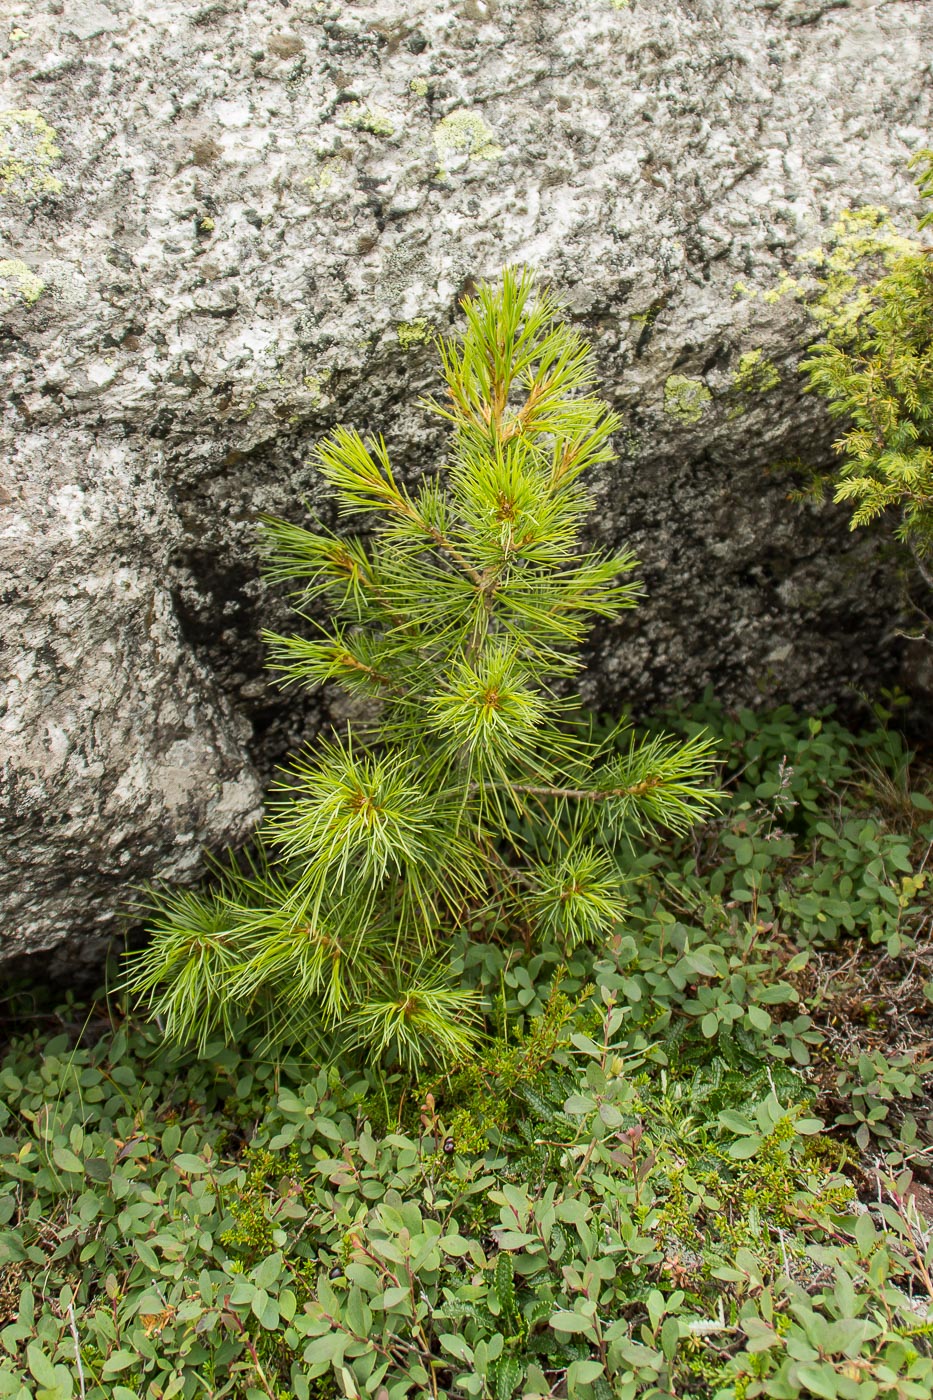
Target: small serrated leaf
[[505, 1284], [509, 1373]]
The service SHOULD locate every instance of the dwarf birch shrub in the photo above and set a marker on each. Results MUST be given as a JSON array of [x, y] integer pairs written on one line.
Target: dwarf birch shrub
[[474, 796]]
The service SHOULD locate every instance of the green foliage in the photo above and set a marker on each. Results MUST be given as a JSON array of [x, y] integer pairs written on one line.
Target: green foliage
[[631, 1228], [875, 368], [628, 1192], [793, 926], [472, 796]]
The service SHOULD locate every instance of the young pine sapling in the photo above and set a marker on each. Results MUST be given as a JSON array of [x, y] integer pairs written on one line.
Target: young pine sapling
[[474, 794]]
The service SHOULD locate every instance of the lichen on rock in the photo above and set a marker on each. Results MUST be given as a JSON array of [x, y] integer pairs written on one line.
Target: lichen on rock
[[685, 399], [358, 117], [411, 333], [28, 155], [755, 373], [169, 385], [464, 134], [18, 282]]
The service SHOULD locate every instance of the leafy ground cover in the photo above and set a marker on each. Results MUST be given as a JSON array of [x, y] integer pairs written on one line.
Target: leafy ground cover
[[691, 1161]]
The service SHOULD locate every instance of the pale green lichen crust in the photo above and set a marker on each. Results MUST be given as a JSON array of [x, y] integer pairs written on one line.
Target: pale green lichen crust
[[315, 386], [858, 239], [463, 133], [371, 119], [326, 173], [28, 154], [755, 374], [413, 332], [685, 399], [419, 86], [831, 285], [19, 283], [786, 286]]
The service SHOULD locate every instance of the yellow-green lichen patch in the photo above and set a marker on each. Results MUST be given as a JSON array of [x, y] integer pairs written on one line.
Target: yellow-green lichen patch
[[859, 238], [325, 174], [685, 399], [357, 117], [786, 286], [419, 86], [413, 332], [315, 386], [619, 4], [463, 133], [858, 234], [755, 373], [28, 154], [18, 283], [648, 317]]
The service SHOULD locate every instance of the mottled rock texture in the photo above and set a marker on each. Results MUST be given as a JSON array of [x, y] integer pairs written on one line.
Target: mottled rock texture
[[226, 227]]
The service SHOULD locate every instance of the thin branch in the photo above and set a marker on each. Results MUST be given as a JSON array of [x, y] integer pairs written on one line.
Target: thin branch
[[583, 794], [922, 569]]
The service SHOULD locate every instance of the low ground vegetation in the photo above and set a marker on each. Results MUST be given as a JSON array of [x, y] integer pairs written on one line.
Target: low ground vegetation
[[690, 1163]]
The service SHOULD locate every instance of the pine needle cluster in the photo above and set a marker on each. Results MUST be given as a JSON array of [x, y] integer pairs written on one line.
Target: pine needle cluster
[[876, 369], [474, 795]]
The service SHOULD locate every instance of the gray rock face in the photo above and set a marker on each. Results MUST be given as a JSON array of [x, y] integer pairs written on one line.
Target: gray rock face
[[226, 228]]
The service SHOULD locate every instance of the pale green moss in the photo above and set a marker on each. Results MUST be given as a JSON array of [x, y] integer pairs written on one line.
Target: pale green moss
[[685, 399], [419, 87], [413, 333], [18, 282], [464, 133], [371, 119], [755, 374], [28, 154]]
